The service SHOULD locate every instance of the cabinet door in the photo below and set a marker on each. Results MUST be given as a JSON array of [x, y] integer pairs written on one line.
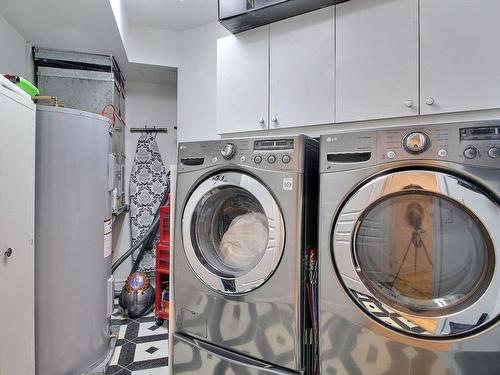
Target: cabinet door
[[376, 59], [17, 217], [301, 70], [460, 55], [242, 81]]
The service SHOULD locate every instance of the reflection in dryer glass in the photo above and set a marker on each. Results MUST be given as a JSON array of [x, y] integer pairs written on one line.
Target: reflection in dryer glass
[[230, 231], [422, 253]]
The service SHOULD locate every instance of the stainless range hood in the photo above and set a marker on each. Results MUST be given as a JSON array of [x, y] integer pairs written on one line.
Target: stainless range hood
[[241, 15]]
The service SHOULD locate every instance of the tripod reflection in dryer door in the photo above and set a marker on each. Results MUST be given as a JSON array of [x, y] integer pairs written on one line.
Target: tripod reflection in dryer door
[[410, 250]]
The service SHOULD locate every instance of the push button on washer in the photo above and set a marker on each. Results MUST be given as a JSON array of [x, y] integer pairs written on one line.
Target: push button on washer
[[271, 159], [286, 159], [257, 159]]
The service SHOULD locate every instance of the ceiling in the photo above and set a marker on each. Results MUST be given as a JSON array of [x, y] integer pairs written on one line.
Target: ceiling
[[82, 26], [176, 15], [151, 73], [76, 25], [89, 26]]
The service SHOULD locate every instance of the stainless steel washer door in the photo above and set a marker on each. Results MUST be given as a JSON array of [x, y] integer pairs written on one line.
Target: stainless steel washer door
[[233, 232], [422, 246]]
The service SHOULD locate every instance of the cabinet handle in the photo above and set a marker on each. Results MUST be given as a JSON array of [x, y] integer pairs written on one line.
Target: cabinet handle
[[409, 103], [429, 101], [261, 121], [274, 119], [8, 253]]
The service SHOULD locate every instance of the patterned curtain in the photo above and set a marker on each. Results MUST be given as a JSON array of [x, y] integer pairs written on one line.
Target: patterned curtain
[[148, 181]]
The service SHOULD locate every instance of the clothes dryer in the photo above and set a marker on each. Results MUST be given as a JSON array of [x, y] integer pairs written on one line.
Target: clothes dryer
[[410, 250]]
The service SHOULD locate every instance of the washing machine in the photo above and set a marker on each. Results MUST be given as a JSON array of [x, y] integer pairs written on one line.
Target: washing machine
[[241, 240], [410, 250]]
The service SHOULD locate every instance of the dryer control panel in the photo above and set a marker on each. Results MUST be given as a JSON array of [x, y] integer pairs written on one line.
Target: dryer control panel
[[481, 141], [471, 143]]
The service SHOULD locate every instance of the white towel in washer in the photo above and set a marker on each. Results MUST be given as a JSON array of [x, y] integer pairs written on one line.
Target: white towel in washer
[[244, 241]]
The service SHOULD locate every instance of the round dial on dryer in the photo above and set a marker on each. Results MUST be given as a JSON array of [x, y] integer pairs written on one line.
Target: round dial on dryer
[[470, 152], [228, 151], [494, 152], [416, 142]]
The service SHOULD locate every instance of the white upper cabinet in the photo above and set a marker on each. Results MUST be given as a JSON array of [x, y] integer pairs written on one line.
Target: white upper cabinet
[[361, 60], [243, 81], [460, 55], [376, 59], [302, 70]]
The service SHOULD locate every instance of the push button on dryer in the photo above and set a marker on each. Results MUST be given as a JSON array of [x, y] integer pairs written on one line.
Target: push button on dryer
[[494, 152], [271, 159], [391, 154], [442, 152]]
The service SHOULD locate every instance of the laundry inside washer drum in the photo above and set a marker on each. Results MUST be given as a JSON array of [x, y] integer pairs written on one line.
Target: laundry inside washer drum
[[230, 231], [244, 240]]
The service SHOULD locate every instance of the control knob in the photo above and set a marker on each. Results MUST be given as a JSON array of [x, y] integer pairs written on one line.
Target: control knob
[[228, 151], [416, 142], [470, 152], [494, 152]]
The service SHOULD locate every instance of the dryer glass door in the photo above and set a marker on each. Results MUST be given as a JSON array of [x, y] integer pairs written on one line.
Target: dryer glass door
[[423, 253], [233, 232], [424, 246]]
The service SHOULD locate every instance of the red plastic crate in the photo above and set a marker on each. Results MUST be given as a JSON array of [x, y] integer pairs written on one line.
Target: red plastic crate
[[165, 224], [162, 264], [162, 258]]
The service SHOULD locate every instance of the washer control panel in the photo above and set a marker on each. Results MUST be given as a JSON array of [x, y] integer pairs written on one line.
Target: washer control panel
[[273, 151], [280, 154], [470, 143]]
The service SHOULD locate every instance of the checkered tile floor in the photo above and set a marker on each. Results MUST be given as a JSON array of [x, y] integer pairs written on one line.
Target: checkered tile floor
[[142, 346]]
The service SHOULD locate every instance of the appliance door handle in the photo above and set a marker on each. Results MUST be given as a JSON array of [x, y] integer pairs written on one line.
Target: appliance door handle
[[234, 357]]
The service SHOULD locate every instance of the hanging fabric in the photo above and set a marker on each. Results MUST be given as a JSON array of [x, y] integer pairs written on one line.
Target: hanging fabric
[[148, 181]]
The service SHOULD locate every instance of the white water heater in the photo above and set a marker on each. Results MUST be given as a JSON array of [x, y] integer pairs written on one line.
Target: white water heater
[[73, 241]]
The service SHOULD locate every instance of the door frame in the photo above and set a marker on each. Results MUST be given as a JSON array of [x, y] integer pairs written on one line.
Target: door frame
[[266, 266]]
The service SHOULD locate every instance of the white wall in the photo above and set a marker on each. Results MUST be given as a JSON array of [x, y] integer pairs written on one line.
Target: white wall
[[15, 52], [152, 105], [194, 53], [197, 82], [139, 51]]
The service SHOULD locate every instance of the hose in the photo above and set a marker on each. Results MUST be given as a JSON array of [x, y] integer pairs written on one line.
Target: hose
[[136, 246], [150, 233]]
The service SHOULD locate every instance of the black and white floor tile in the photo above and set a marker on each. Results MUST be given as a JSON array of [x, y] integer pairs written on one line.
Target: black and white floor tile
[[142, 346]]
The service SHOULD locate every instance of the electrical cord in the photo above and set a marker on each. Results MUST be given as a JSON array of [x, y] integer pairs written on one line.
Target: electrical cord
[[113, 113]]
